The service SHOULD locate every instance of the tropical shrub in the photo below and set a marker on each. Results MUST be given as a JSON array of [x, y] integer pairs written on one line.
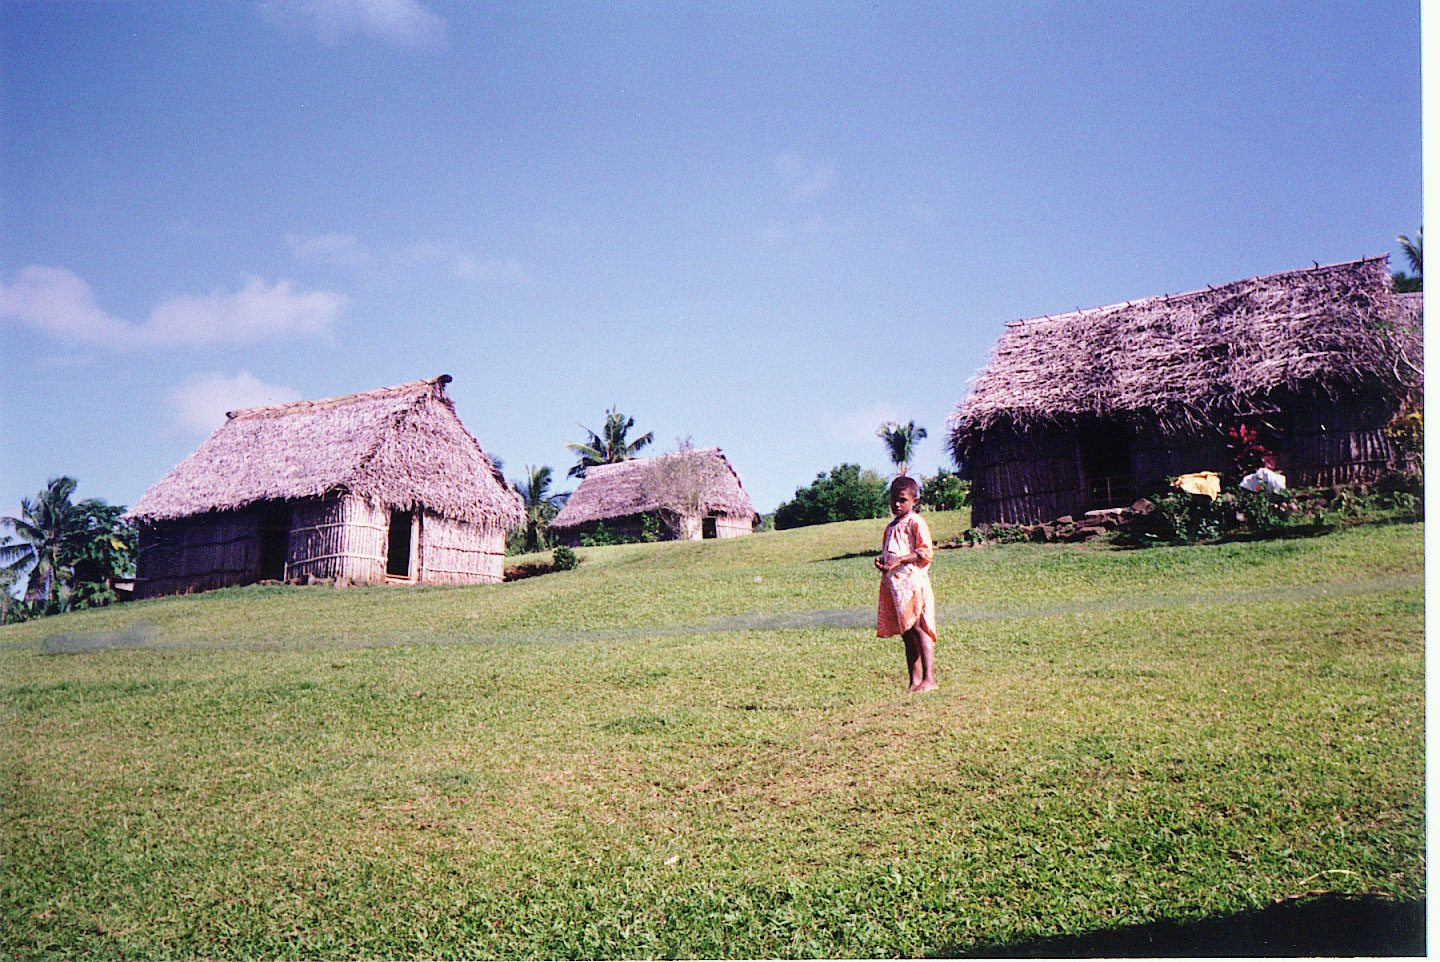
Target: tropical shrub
[[846, 494], [1179, 517], [599, 537], [1247, 453], [564, 558], [946, 491], [1407, 432]]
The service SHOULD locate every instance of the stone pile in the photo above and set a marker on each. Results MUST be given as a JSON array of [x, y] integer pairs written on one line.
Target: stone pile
[[1092, 526]]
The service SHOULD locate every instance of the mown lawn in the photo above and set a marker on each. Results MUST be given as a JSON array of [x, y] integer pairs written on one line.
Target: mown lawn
[[619, 761]]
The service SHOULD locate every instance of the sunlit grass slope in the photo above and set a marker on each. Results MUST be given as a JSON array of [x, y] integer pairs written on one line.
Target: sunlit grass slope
[[585, 764]]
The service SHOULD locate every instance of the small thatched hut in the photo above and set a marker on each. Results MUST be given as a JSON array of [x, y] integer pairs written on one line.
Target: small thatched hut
[[691, 494], [383, 486], [1085, 410]]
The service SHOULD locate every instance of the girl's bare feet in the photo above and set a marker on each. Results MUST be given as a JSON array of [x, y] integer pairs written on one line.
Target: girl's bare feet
[[924, 686]]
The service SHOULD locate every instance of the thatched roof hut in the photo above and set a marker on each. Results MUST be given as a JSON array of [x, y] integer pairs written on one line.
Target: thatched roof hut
[[1088, 407], [381, 485], [692, 493]]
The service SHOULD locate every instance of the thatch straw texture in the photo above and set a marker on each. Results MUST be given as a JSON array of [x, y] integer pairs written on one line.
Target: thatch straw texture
[[613, 491], [400, 447], [1184, 361]]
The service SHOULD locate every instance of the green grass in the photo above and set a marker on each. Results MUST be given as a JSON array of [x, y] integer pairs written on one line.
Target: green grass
[[616, 761]]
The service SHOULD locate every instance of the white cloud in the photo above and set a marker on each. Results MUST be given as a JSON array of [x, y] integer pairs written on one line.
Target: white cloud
[[404, 22], [343, 250], [255, 312], [200, 405], [58, 302], [806, 179]]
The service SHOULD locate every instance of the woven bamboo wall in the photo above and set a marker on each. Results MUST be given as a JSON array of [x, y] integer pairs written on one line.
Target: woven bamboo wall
[[457, 552], [1337, 442], [728, 527], [342, 537], [1034, 476], [328, 540], [362, 541], [198, 554], [1024, 478]]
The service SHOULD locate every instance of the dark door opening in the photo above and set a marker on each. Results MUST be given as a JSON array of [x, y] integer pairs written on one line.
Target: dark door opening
[[1107, 460], [397, 557], [274, 541], [707, 528]]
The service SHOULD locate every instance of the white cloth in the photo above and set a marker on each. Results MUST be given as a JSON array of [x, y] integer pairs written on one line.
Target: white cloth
[[1264, 479]]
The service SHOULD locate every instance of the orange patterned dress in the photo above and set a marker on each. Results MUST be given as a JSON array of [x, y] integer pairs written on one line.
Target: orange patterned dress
[[906, 599]]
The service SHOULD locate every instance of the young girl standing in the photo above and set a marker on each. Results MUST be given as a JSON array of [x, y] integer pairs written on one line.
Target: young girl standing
[[907, 603]]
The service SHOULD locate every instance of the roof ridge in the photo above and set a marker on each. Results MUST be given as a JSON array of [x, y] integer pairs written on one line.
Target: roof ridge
[[325, 404], [1198, 292]]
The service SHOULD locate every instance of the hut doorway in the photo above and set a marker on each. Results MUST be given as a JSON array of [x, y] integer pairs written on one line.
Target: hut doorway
[[274, 541], [397, 553], [708, 528], [1107, 466]]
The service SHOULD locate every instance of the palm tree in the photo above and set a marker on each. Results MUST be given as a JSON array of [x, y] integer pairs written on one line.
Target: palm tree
[[72, 551], [900, 440], [1414, 250], [608, 447], [540, 504], [43, 528]]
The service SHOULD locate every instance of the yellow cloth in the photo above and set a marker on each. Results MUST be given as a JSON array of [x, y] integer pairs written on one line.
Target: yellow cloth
[[1201, 482]]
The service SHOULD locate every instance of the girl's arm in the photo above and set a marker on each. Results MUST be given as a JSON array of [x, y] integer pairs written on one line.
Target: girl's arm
[[921, 540]]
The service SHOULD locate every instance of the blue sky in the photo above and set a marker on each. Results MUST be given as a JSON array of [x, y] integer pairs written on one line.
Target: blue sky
[[764, 226]]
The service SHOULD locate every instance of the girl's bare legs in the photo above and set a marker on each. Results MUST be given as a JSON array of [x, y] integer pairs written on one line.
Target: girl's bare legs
[[920, 654], [912, 658], [927, 662]]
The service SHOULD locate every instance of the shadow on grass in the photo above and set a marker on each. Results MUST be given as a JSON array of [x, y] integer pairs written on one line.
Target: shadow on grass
[[847, 557], [1327, 925]]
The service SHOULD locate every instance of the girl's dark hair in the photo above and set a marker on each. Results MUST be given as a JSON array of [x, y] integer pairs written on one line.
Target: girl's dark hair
[[903, 483]]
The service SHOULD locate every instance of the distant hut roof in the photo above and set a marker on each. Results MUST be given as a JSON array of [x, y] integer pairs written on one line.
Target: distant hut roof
[[618, 490], [1185, 359], [403, 446]]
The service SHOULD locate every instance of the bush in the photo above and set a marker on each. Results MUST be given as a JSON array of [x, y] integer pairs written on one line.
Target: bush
[[599, 538], [1262, 512], [946, 491], [1182, 518], [564, 558], [848, 494], [1179, 517]]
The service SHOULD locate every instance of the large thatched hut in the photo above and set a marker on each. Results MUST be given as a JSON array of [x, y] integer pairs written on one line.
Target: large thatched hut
[[684, 495], [383, 486], [1085, 410]]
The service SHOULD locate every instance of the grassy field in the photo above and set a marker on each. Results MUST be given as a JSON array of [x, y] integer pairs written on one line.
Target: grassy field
[[700, 749]]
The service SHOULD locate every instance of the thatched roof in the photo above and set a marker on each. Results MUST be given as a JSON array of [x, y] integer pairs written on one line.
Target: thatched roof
[[1184, 360], [611, 491], [402, 446]]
